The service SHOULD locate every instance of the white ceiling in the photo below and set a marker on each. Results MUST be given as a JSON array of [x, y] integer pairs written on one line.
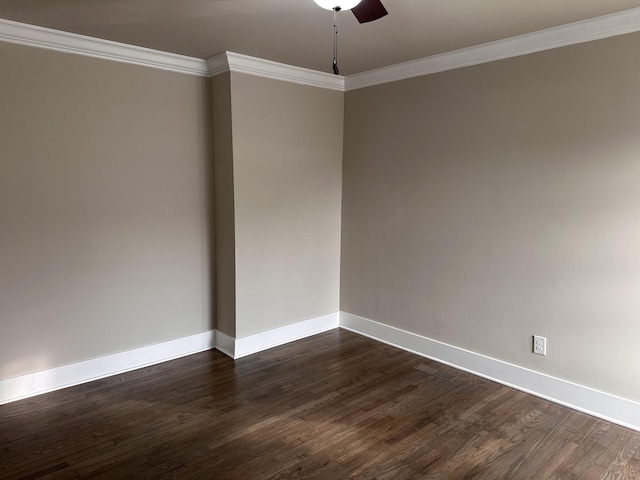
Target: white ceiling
[[298, 32]]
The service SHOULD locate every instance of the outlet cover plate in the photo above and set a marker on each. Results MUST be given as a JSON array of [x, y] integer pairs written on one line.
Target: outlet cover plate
[[539, 345]]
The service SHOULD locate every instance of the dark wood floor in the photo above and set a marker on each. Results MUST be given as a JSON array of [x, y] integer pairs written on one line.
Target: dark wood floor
[[332, 406]]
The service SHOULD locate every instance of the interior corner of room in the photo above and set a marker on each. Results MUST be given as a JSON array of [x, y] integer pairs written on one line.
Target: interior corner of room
[[453, 214]]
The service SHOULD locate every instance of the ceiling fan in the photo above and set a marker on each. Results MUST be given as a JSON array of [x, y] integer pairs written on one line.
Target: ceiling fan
[[363, 10]]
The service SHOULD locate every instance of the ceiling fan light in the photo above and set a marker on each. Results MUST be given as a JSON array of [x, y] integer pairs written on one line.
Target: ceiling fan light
[[340, 4]]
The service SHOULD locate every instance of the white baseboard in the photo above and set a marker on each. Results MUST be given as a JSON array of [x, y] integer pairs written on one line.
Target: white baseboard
[[603, 405], [29, 385], [593, 402], [225, 343], [241, 347]]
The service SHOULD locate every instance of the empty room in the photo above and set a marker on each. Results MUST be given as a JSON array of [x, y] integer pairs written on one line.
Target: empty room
[[249, 239]]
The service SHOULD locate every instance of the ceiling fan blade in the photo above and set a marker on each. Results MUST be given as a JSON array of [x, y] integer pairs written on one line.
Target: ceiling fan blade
[[369, 10]]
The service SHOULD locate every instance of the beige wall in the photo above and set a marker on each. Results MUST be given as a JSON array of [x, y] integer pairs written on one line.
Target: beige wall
[[481, 206], [104, 232], [225, 251], [287, 167], [490, 203]]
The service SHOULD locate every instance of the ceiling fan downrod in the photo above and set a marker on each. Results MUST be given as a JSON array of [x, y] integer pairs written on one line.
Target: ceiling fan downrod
[[336, 71], [364, 11]]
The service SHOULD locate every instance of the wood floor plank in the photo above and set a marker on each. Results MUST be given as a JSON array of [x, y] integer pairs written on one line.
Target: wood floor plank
[[332, 406]]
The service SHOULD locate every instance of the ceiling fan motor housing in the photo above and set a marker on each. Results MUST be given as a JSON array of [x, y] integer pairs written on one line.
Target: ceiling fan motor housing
[[337, 5]]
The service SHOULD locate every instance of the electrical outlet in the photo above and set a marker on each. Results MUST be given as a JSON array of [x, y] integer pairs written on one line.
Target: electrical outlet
[[539, 345]]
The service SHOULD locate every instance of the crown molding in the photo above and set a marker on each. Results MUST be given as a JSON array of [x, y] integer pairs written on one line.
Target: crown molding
[[33, 36], [627, 21], [217, 64], [236, 62], [41, 37]]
